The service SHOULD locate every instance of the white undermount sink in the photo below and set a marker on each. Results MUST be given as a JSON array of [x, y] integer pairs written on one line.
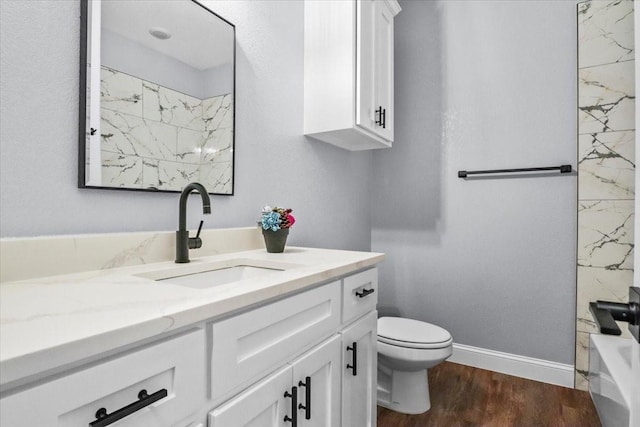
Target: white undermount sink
[[207, 279], [208, 275]]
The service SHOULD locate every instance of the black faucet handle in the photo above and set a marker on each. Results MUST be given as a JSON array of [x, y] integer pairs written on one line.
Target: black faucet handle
[[604, 319], [199, 229], [196, 242]]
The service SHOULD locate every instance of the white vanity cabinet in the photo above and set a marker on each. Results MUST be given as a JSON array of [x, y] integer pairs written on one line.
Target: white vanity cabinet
[[171, 373], [332, 384], [348, 72], [308, 357], [306, 392]]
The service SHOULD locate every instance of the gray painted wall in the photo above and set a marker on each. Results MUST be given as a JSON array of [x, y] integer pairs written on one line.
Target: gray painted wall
[[328, 188], [482, 85]]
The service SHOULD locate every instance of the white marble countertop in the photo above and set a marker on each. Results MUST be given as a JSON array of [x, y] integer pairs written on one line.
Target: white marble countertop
[[53, 322]]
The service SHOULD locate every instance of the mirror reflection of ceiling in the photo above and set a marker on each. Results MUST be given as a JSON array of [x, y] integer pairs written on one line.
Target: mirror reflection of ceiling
[[133, 19]]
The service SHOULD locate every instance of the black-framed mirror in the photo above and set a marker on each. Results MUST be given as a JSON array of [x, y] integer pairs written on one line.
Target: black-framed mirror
[[157, 96]]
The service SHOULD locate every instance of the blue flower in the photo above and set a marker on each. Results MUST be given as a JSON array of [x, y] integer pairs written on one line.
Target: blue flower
[[271, 221]]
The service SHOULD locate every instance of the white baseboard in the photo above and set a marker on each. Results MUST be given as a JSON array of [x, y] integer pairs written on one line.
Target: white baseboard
[[513, 364]]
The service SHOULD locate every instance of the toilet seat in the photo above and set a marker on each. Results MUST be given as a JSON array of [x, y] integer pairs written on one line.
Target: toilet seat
[[415, 345], [411, 333]]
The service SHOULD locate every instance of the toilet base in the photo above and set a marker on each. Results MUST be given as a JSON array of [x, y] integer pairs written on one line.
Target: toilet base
[[404, 392]]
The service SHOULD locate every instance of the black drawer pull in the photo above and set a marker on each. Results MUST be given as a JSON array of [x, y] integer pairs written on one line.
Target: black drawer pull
[[294, 406], [103, 418], [354, 358], [307, 397], [365, 292]]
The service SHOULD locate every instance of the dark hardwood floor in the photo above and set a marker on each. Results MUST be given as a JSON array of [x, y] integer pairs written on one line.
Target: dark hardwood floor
[[466, 396]]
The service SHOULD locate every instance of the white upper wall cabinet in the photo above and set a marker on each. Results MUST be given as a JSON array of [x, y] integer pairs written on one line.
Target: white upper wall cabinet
[[348, 72]]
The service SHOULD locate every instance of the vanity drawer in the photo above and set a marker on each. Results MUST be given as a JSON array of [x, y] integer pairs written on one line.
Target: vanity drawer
[[74, 399], [359, 294], [247, 346]]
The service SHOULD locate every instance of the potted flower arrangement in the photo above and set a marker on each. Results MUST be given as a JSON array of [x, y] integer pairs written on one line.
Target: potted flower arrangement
[[275, 224]]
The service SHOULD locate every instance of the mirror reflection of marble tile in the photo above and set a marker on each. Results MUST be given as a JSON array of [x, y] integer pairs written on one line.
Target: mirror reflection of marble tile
[[120, 170], [113, 132], [127, 134], [120, 92], [174, 135], [606, 165], [605, 234], [151, 101], [217, 112], [151, 173], [172, 107], [181, 174], [189, 145], [180, 110], [605, 32], [216, 177], [218, 146], [606, 98], [169, 175]]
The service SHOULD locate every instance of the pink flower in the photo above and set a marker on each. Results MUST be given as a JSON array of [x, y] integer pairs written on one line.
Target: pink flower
[[291, 219]]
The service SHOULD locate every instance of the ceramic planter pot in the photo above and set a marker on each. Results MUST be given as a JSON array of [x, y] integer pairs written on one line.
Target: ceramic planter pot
[[275, 240]]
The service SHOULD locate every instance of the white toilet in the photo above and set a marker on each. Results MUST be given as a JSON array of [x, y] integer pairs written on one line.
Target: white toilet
[[406, 349]]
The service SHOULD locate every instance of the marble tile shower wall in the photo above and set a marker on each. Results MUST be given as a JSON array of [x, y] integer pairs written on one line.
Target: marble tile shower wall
[[606, 163], [152, 136]]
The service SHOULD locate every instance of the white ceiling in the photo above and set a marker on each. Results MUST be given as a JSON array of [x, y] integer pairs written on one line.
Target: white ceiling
[[198, 37]]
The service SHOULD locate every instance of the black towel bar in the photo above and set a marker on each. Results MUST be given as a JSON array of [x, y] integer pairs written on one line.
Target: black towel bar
[[562, 169]]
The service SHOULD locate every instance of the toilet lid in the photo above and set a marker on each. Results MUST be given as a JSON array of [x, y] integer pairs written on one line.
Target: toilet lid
[[408, 331]]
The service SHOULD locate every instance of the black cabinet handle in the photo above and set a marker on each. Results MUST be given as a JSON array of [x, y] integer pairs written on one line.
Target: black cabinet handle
[[294, 406], [307, 397], [364, 293], [354, 358], [382, 117], [103, 418]]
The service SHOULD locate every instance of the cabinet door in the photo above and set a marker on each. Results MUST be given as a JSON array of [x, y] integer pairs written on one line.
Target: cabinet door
[[374, 68], [263, 405], [317, 376], [383, 68], [359, 372], [365, 65]]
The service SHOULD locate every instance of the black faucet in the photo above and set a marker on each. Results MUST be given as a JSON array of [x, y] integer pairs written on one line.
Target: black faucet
[[606, 313], [183, 241]]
